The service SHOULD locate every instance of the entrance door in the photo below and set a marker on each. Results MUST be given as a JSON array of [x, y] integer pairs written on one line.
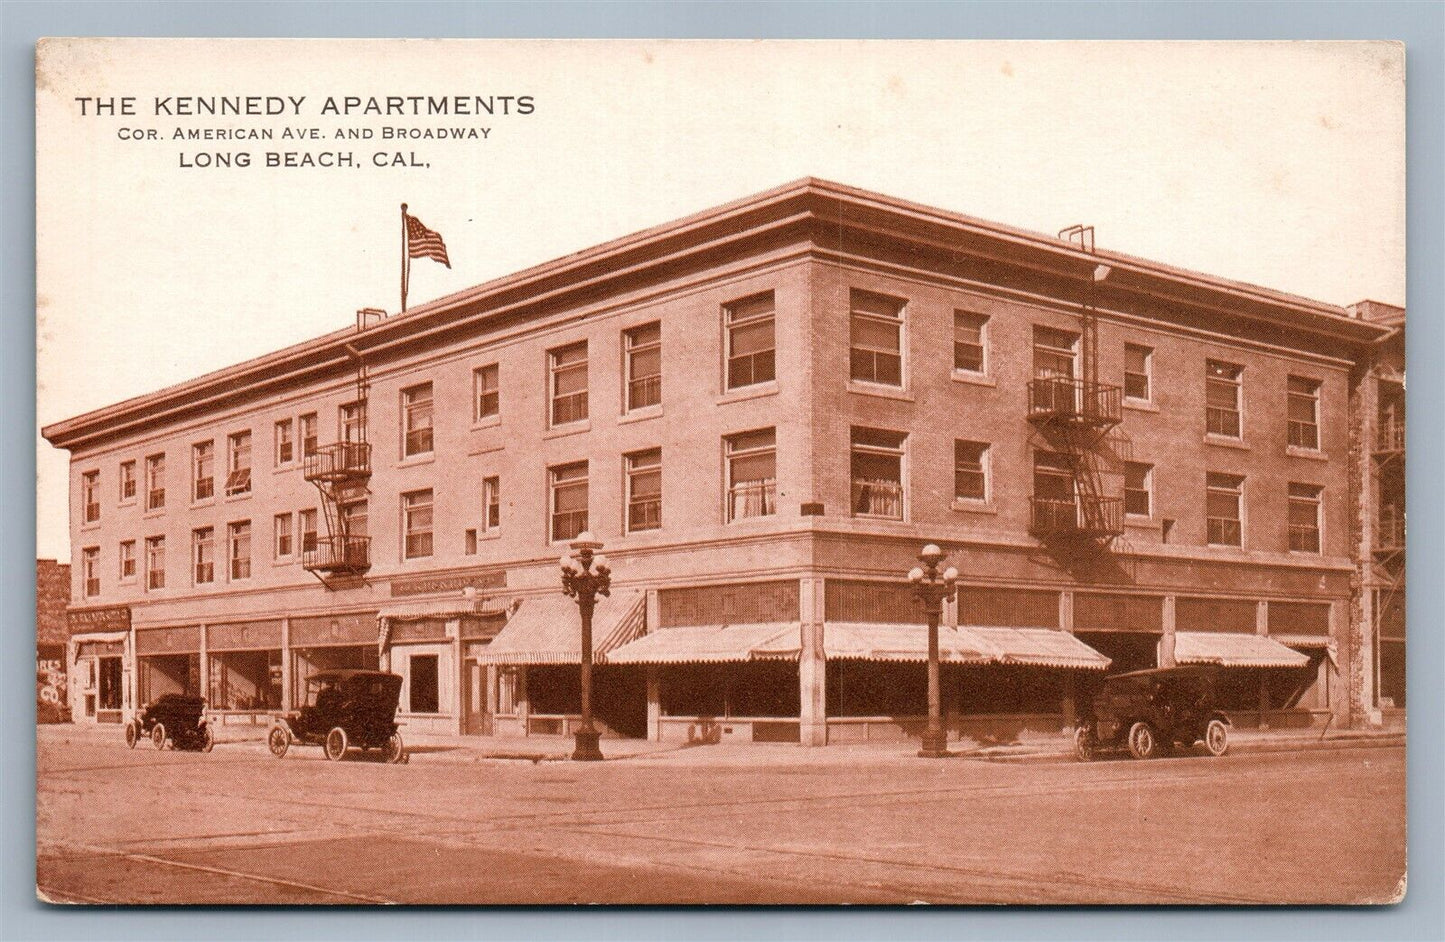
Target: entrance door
[[110, 687], [476, 721]]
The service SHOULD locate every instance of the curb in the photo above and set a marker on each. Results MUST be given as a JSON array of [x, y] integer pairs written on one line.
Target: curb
[[1292, 745]]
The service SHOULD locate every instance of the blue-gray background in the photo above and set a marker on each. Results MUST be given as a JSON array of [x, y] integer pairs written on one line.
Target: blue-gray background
[[1421, 25]]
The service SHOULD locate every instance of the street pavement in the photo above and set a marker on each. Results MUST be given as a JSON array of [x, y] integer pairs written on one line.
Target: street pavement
[[1300, 823]]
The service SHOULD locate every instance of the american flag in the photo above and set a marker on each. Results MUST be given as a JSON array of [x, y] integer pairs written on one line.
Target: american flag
[[421, 242]]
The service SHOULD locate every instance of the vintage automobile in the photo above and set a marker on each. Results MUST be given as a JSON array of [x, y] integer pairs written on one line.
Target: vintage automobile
[[344, 709], [1151, 711], [172, 718]]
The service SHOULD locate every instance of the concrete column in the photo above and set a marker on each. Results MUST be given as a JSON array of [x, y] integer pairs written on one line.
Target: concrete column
[[524, 706], [1261, 617], [654, 703], [1166, 640], [812, 665], [489, 723], [653, 611], [459, 676], [1066, 611], [205, 673], [286, 666]]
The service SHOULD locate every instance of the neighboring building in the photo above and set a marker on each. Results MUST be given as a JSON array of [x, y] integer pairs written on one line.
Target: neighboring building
[[52, 595], [764, 411]]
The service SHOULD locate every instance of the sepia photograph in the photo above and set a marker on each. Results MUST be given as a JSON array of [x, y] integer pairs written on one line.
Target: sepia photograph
[[720, 472]]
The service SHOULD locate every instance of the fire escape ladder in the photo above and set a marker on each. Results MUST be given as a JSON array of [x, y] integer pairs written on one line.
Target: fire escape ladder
[[340, 472]]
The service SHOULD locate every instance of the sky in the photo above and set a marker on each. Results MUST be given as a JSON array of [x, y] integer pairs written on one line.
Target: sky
[[1280, 164]]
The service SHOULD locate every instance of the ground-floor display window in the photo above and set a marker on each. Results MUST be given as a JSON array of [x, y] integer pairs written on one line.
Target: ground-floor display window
[[245, 680], [876, 688], [998, 688], [307, 661], [424, 693], [169, 673], [1126, 650], [727, 690], [619, 696]]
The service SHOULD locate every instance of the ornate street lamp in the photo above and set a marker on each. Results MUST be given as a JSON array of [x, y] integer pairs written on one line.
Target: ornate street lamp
[[585, 575], [933, 589]]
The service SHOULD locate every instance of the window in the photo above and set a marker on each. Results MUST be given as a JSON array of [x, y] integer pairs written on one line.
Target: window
[[643, 347], [486, 392], [491, 504], [569, 500], [877, 467], [423, 696], [1054, 352], [750, 341], [127, 560], [644, 490], [284, 535], [416, 413], [1304, 517], [970, 471], [307, 430], [1304, 413], [875, 327], [1138, 362], [203, 555], [90, 495], [306, 523], [156, 482], [1053, 478], [355, 518], [1224, 494], [127, 481], [90, 571], [285, 442], [155, 562], [752, 460], [238, 539], [352, 421], [1138, 489], [238, 464], [203, 470], [1221, 398], [416, 518], [568, 367], [969, 341]]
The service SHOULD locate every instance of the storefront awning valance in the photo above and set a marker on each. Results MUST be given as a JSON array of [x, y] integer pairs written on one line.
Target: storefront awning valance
[[1036, 647], [548, 630], [1229, 649], [712, 644], [875, 641]]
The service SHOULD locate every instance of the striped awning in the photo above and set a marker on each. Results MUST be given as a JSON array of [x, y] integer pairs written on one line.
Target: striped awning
[[712, 644], [548, 630], [1229, 649], [1035, 647], [875, 641]]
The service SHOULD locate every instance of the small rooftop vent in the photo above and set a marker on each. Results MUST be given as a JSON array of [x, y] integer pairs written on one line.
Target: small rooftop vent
[[369, 317]]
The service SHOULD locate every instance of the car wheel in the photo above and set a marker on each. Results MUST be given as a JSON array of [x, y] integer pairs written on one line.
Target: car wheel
[[1143, 743], [393, 750], [1085, 748], [1216, 738], [278, 741], [158, 735], [336, 744], [132, 734], [208, 739]]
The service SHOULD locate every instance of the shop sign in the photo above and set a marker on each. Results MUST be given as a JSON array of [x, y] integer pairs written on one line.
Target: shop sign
[[110, 618], [435, 585]]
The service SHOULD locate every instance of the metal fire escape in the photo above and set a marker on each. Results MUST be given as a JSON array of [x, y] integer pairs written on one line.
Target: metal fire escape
[[340, 472], [1075, 416]]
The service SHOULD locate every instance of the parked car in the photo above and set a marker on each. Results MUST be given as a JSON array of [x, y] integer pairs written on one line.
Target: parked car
[[173, 718], [1148, 712], [344, 709]]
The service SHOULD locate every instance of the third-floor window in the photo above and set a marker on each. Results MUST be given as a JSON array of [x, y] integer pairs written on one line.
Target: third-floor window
[[875, 331], [238, 464], [1222, 398], [644, 365], [568, 369], [486, 392], [90, 495], [351, 419], [155, 482], [416, 415], [970, 342], [285, 442], [1304, 413], [307, 432], [750, 341], [1138, 362], [203, 470], [127, 481]]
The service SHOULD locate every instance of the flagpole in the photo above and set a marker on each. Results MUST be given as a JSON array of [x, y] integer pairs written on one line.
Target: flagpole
[[403, 258]]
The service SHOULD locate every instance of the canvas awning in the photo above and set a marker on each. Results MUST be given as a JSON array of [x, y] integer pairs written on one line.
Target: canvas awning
[[1229, 649], [712, 644], [875, 641], [1036, 647], [548, 630]]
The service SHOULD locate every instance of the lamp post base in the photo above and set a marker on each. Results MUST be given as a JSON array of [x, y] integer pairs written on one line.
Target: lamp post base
[[935, 746], [588, 746]]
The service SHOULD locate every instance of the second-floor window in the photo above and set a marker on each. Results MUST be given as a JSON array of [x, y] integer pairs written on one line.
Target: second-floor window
[[1053, 478], [1138, 488], [1224, 500], [1138, 363], [127, 560], [238, 464], [90, 496], [238, 538], [644, 365], [875, 331], [750, 341], [203, 555], [1304, 413], [90, 571], [970, 470], [306, 523], [752, 460], [486, 392], [127, 481], [285, 442], [877, 470], [569, 500], [155, 562], [1304, 517], [284, 536], [156, 482], [1222, 398], [970, 342], [644, 490], [416, 414], [416, 524], [307, 432], [491, 504], [203, 471], [568, 368]]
